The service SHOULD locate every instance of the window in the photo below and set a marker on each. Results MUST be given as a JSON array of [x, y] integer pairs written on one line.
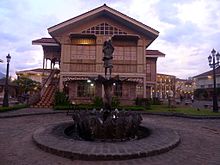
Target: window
[[83, 52], [83, 41], [139, 90], [104, 29], [85, 89], [202, 86], [148, 70], [117, 88], [125, 53], [210, 85]]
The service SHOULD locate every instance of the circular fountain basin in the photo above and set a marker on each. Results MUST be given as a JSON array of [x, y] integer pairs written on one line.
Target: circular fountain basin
[[71, 132], [53, 139]]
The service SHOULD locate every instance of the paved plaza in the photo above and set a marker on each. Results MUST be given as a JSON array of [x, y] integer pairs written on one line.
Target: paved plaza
[[200, 141]]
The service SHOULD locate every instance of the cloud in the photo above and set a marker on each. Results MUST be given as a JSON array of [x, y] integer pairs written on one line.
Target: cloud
[[192, 32], [18, 28], [182, 33], [189, 29], [182, 61]]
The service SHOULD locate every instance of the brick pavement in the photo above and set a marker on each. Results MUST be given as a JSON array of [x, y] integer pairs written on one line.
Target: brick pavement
[[200, 142]]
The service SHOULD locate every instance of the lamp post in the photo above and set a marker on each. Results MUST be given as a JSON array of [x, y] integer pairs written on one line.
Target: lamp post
[[5, 100], [214, 63]]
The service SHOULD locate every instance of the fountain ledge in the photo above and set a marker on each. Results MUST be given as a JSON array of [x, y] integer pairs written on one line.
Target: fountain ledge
[[53, 140]]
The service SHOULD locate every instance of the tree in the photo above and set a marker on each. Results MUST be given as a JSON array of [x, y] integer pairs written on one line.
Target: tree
[[27, 86]]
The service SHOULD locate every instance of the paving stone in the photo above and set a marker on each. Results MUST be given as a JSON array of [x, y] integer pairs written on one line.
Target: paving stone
[[198, 144]]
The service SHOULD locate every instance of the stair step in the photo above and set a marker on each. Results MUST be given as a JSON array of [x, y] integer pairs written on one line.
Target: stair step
[[48, 96]]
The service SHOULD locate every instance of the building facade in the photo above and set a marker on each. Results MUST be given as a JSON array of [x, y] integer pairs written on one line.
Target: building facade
[[34, 74], [76, 47], [185, 88], [204, 84], [165, 85]]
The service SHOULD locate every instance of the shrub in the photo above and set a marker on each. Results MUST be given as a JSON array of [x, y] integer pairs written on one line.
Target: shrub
[[133, 108], [155, 101], [60, 98], [16, 107], [98, 102], [142, 102], [115, 102]]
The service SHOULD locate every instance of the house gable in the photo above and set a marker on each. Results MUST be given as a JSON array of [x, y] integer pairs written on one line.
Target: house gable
[[106, 12]]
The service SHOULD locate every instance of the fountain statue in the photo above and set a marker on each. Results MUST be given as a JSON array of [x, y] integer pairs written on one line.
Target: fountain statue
[[108, 50], [107, 124]]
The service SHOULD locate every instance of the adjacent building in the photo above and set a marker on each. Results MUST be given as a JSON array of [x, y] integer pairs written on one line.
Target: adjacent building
[[165, 85], [185, 88], [171, 85], [34, 74], [76, 48], [204, 84]]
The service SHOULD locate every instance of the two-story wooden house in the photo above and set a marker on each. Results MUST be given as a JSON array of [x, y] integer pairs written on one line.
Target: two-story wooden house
[[77, 47]]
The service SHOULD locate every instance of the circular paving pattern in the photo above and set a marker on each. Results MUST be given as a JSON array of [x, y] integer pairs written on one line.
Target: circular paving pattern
[[52, 139]]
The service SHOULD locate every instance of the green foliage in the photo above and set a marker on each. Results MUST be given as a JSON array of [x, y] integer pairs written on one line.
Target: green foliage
[[61, 107], [77, 107], [143, 102], [26, 85], [98, 102], [155, 101], [60, 98], [182, 110], [133, 108], [115, 102], [16, 107], [201, 94], [85, 106]]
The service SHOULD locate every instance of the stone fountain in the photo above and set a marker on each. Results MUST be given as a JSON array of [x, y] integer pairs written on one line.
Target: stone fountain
[[105, 134], [107, 124]]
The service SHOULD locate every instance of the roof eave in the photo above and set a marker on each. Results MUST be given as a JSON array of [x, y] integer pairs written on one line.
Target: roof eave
[[45, 44], [155, 56], [105, 8]]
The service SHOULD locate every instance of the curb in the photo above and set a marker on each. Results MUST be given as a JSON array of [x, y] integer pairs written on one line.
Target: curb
[[52, 139], [143, 113], [181, 115], [29, 114]]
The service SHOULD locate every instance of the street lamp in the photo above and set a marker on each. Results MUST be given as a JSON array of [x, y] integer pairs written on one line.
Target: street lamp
[[5, 100], [214, 63]]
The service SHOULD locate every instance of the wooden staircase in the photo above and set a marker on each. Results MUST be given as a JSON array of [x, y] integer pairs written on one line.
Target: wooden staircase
[[47, 96]]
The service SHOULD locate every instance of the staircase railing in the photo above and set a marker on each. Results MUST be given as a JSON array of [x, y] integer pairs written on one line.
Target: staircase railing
[[48, 81]]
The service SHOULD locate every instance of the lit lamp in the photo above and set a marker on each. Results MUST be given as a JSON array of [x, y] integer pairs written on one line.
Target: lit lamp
[[214, 63], [5, 100]]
